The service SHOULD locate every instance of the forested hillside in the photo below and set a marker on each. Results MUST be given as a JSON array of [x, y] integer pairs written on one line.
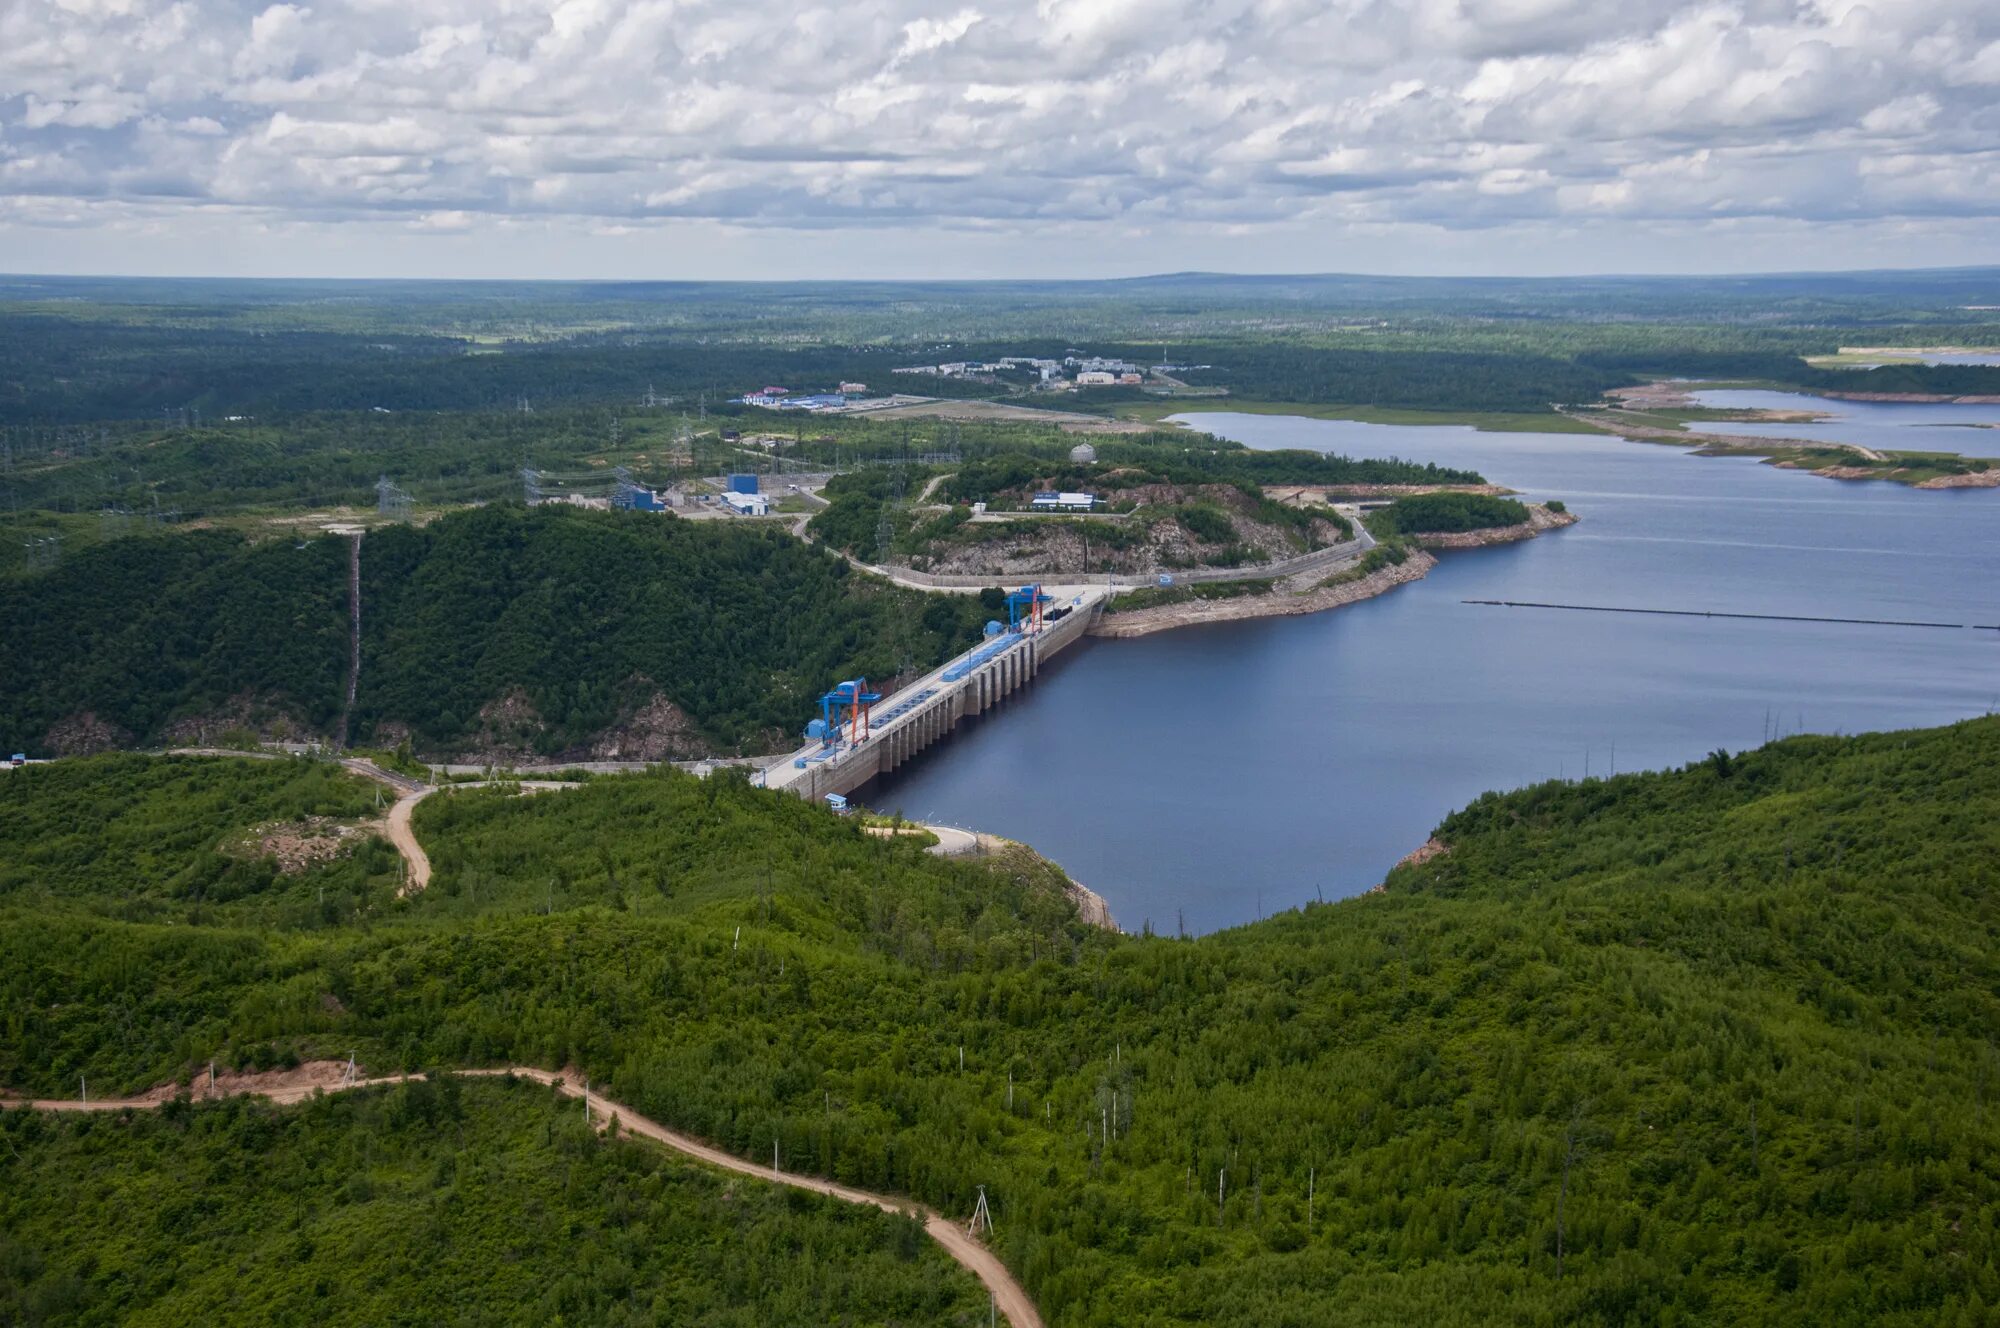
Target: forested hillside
[[475, 1202], [1708, 1046], [499, 629]]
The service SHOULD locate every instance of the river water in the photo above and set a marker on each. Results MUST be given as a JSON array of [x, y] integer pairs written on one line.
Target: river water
[[1203, 777]]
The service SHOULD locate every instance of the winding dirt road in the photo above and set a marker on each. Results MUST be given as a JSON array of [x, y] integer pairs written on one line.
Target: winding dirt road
[[416, 863], [288, 1087]]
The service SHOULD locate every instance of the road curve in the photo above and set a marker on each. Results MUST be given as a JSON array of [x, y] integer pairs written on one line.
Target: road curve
[[1008, 1295], [416, 863]]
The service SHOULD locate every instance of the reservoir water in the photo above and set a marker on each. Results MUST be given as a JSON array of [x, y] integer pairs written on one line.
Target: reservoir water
[[1969, 429], [1201, 777]]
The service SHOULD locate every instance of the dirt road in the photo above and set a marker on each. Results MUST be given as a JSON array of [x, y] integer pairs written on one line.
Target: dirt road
[[289, 1086], [416, 863]]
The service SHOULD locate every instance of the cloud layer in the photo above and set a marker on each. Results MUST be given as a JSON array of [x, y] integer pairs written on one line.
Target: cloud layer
[[1098, 119]]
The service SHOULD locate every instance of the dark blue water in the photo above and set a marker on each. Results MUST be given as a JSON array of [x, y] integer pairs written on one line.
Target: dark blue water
[[1971, 429], [1207, 775]]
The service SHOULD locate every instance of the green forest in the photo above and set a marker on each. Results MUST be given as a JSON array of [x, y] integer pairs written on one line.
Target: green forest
[[1711, 1045], [78, 350], [467, 1201], [582, 618], [1447, 513]]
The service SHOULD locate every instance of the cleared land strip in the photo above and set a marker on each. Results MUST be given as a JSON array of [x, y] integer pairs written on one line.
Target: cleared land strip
[[1008, 1295]]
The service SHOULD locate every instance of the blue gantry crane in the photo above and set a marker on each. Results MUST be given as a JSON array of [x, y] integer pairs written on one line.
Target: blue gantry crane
[[847, 706], [1024, 608]]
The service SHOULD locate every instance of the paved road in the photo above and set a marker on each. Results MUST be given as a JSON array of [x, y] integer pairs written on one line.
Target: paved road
[[1008, 1295]]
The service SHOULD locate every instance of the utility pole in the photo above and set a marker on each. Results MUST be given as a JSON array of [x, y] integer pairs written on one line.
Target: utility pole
[[1562, 1195]]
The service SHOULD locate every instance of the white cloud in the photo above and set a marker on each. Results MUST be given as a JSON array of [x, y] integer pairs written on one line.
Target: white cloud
[[1124, 119]]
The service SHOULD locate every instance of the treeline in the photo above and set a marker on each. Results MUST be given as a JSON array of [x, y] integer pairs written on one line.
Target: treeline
[[63, 370], [570, 622], [1711, 1045], [465, 1201], [1412, 379], [1168, 459], [1792, 371]]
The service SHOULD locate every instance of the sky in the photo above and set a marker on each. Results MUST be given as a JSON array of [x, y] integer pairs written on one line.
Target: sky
[[695, 139]]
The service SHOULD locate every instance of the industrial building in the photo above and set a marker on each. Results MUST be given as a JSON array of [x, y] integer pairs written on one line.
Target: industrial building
[[638, 498]]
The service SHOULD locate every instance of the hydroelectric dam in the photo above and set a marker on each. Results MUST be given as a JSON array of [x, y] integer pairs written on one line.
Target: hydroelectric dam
[[879, 735]]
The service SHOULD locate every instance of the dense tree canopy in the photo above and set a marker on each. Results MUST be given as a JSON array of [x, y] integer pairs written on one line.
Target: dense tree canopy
[[1446, 513], [474, 1202], [1703, 1046], [582, 617]]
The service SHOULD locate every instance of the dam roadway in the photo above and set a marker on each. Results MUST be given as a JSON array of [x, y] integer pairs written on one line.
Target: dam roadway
[[923, 712]]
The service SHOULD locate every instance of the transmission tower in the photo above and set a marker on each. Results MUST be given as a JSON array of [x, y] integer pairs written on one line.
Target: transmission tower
[[982, 1217], [682, 452], [391, 501], [44, 551]]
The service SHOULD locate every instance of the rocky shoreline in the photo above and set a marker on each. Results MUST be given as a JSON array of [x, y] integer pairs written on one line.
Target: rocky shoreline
[[1277, 604], [1290, 599], [1539, 519]]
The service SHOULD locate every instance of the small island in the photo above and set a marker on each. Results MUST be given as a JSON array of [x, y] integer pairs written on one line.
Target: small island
[[1667, 412]]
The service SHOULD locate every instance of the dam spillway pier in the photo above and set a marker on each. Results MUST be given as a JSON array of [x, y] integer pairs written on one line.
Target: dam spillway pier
[[893, 730]]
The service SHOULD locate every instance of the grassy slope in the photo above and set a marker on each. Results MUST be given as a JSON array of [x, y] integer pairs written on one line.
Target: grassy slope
[[1565, 1024], [474, 1202]]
